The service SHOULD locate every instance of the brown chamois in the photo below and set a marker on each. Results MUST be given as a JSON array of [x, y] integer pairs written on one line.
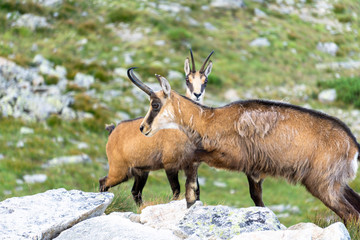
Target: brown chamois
[[131, 154], [265, 138]]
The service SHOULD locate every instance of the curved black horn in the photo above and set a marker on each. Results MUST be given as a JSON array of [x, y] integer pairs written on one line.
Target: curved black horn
[[137, 82], [193, 62], [205, 62]]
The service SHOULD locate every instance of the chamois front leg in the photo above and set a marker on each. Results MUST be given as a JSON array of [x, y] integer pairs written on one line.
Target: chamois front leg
[[139, 184], [255, 188], [191, 184], [173, 177]]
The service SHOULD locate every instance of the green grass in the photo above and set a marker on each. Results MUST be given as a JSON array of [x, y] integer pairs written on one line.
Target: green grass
[[290, 60]]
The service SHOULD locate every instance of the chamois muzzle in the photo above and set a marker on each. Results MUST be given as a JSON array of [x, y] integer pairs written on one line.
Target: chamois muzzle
[[137, 82]]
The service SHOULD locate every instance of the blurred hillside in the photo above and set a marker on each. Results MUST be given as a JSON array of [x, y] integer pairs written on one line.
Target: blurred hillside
[[63, 76]]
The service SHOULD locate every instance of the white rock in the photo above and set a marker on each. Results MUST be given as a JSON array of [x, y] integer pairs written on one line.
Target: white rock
[[175, 75], [220, 184], [209, 26], [328, 47], [2, 156], [327, 96], [339, 65], [116, 227], [31, 21], [36, 178], [26, 130], [121, 72], [260, 42], [227, 4], [160, 42], [50, 3], [45, 215], [259, 13], [84, 80], [231, 95], [83, 158]]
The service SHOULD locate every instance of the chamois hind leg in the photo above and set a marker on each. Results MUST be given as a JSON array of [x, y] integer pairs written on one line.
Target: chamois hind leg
[[139, 184], [191, 184], [335, 199], [255, 188], [173, 177], [352, 197], [114, 178]]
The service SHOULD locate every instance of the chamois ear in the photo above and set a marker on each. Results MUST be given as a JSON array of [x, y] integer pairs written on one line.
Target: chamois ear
[[164, 83], [187, 66], [208, 69]]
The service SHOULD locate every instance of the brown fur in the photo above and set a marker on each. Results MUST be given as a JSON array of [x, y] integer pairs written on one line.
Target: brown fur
[[264, 138]]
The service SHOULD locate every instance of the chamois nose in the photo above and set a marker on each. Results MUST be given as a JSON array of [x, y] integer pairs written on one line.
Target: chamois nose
[[141, 128], [197, 95]]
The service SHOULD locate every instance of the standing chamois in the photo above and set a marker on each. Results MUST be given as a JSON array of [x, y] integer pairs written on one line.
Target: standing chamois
[[131, 154], [264, 138]]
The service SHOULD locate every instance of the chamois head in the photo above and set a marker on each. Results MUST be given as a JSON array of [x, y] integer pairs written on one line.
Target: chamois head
[[161, 112], [196, 80]]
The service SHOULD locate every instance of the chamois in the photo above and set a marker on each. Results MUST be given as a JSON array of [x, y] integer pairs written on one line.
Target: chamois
[[130, 153], [264, 138]]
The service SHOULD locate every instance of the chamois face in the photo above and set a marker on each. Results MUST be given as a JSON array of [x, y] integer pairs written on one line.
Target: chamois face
[[196, 82], [161, 113]]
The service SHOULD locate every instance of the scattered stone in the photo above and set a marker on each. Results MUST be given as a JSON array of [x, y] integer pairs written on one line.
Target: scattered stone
[[49, 3], [259, 13], [202, 181], [231, 95], [327, 96], [31, 22], [45, 215], [173, 8], [6, 192], [83, 158], [2, 156], [328, 47], [260, 42], [20, 144], [114, 226], [209, 26], [175, 75], [35, 178], [228, 4], [220, 184], [84, 80], [284, 208], [160, 42], [121, 72], [339, 65], [26, 130]]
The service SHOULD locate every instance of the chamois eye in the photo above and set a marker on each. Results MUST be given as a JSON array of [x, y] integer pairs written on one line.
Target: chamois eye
[[155, 106]]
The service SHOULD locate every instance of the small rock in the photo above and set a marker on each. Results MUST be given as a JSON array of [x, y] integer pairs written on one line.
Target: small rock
[[36, 178], [2, 156], [231, 95], [202, 181], [31, 21], [327, 96], [259, 13], [220, 184], [175, 75], [121, 72], [83, 158], [328, 47], [49, 3], [84, 80], [227, 4], [26, 130], [20, 144], [260, 42], [160, 42], [209, 26]]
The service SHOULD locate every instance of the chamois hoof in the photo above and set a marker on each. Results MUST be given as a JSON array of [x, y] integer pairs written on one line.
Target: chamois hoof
[[102, 186], [189, 204]]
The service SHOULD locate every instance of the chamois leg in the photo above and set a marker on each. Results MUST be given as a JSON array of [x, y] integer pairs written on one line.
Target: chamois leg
[[173, 177], [255, 189], [139, 184], [113, 179], [197, 192], [352, 197], [336, 201], [191, 184]]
